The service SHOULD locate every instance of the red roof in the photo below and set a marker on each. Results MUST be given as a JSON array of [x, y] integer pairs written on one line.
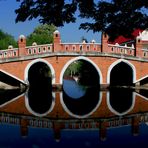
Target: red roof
[[122, 39]]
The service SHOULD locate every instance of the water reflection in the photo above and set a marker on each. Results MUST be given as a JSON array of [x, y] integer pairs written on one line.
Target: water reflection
[[8, 96], [73, 89], [143, 92], [82, 106], [39, 101], [121, 100], [95, 119]]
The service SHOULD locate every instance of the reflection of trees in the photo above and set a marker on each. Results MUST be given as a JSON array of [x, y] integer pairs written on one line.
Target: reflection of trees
[[85, 72]]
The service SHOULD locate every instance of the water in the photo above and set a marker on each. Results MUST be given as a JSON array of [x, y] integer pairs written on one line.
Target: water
[[76, 117]]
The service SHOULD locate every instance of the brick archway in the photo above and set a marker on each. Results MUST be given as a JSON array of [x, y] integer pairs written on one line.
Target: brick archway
[[117, 62], [80, 58], [35, 61]]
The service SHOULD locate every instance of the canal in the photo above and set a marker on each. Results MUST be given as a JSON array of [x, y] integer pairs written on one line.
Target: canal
[[77, 116]]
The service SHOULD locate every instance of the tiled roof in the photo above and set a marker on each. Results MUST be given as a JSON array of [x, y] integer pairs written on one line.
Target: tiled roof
[[122, 39]]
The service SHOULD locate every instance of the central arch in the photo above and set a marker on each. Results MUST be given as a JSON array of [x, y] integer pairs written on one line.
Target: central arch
[[80, 58]]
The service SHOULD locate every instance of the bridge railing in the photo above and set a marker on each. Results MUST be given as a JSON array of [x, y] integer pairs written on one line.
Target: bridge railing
[[81, 47], [9, 53], [122, 50], [144, 53], [39, 49]]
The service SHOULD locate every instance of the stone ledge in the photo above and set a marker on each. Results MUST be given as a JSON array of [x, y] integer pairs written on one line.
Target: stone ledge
[[87, 54], [4, 86]]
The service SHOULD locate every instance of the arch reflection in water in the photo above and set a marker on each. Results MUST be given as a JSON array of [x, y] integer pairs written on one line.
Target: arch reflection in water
[[73, 89], [39, 101], [83, 106], [9, 96], [120, 101]]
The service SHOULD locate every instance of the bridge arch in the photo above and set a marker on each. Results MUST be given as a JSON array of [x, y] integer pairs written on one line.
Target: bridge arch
[[116, 63], [80, 58], [35, 61]]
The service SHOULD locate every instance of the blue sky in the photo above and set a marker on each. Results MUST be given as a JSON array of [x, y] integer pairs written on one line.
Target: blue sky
[[69, 33]]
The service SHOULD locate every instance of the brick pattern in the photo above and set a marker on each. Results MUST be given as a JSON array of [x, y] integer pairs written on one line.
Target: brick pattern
[[17, 68]]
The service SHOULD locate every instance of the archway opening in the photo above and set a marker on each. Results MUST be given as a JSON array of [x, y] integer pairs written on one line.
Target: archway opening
[[79, 76], [40, 87], [121, 75], [39, 73]]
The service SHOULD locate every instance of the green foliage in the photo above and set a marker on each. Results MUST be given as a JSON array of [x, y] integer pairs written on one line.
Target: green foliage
[[86, 72], [6, 40], [42, 34], [74, 69], [114, 17]]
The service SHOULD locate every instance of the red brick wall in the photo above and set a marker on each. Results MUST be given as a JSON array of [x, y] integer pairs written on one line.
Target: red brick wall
[[103, 63]]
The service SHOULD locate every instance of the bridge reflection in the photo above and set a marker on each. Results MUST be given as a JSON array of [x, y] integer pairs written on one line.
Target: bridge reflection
[[83, 106], [60, 112], [121, 100]]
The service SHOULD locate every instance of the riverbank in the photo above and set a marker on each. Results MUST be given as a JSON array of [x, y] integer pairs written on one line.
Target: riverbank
[[4, 86], [58, 87], [130, 87]]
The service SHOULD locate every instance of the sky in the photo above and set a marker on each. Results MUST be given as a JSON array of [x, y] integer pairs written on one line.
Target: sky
[[69, 33]]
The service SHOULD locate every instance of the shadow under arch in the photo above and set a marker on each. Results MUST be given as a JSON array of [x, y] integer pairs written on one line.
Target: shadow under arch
[[42, 61], [84, 106], [121, 101], [118, 62], [10, 79], [39, 74], [80, 58], [38, 106]]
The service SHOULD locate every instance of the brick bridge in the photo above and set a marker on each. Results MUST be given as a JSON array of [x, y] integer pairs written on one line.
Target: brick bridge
[[16, 62]]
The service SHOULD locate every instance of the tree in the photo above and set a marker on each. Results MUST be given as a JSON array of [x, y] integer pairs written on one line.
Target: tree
[[114, 17], [73, 69], [84, 70], [6, 40], [43, 34]]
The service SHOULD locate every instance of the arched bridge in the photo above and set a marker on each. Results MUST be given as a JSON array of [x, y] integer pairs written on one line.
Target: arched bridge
[[111, 61]]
